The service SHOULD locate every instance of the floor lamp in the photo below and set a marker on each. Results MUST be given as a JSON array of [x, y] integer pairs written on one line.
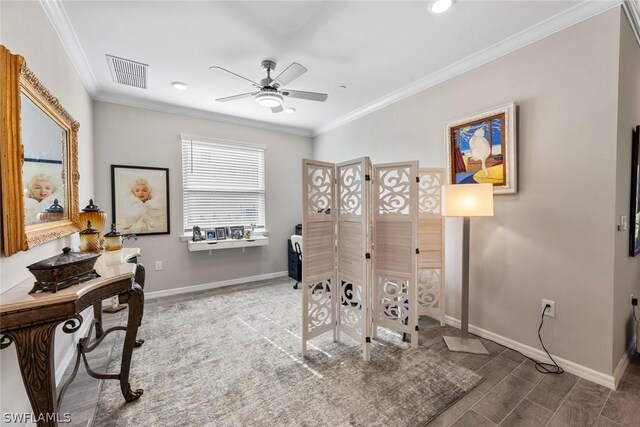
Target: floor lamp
[[466, 200]]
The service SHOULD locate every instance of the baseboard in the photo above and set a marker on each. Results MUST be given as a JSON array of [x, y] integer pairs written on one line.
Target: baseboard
[[624, 362], [213, 285], [569, 366], [71, 351]]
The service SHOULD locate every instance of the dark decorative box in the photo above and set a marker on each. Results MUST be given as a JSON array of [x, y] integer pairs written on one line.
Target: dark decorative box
[[61, 271]]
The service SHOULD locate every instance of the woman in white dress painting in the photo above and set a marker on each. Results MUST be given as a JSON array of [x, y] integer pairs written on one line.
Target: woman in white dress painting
[[40, 192], [142, 210], [480, 149]]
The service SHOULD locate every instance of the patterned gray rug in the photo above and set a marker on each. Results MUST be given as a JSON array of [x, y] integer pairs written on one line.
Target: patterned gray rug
[[234, 360]]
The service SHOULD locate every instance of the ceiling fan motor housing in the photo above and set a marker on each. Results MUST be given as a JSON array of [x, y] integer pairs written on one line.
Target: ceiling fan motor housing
[[268, 65]]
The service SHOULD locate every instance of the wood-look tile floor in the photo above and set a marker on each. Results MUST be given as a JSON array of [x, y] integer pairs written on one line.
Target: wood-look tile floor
[[513, 392]]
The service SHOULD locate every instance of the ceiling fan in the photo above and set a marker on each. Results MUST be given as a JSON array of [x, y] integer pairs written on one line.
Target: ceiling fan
[[270, 91]]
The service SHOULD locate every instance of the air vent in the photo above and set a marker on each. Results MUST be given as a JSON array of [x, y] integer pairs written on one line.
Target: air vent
[[128, 72]]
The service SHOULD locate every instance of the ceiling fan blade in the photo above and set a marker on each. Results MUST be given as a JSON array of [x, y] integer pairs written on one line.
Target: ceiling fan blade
[[234, 97], [311, 96], [215, 67], [277, 109], [289, 74]]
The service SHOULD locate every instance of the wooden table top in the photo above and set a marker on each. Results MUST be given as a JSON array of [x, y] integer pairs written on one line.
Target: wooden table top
[[111, 266]]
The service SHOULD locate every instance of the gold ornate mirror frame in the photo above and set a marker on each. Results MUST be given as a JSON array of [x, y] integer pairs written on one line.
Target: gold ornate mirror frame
[[16, 78]]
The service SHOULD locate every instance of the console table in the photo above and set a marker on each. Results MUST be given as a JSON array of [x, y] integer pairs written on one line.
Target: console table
[[30, 320]]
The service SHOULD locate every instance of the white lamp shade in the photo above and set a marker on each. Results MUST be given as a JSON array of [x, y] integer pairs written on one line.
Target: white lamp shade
[[467, 200]]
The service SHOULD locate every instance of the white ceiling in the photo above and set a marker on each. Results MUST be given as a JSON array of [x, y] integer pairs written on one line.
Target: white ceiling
[[380, 50]]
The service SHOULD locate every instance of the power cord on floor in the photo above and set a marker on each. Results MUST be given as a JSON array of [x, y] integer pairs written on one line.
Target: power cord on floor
[[546, 368]]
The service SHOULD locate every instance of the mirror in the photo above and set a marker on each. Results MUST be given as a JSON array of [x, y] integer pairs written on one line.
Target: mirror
[[43, 169], [39, 161]]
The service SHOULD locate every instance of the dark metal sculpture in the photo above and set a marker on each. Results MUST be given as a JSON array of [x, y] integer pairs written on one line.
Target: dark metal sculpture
[[197, 234]]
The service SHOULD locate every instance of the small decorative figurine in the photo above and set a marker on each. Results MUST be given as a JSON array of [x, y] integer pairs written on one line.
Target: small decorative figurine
[[197, 234]]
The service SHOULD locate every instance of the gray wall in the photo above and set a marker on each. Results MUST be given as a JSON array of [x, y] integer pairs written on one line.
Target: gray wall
[[554, 239], [627, 269], [134, 136], [26, 30]]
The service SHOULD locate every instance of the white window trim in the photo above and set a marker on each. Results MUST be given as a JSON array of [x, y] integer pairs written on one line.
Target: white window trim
[[188, 137]]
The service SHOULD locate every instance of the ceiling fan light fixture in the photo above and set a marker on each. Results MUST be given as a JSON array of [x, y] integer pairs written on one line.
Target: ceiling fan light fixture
[[440, 6], [269, 99]]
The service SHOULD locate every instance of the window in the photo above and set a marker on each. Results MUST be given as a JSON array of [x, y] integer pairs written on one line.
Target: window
[[222, 183]]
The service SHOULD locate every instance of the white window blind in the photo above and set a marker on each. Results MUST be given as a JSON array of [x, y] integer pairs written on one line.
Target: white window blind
[[223, 184]]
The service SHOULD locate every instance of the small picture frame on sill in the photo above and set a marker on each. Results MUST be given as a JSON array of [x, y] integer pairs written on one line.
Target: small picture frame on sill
[[211, 234], [237, 232], [221, 233]]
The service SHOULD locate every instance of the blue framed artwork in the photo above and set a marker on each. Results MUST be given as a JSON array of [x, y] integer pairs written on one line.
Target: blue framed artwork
[[482, 149]]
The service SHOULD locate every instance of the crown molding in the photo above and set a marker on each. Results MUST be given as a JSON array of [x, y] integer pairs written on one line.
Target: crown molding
[[582, 11], [54, 10], [200, 114], [632, 10], [59, 19], [559, 22]]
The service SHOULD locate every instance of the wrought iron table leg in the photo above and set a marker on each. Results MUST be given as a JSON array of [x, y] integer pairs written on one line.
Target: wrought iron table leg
[[37, 367], [97, 316], [136, 303]]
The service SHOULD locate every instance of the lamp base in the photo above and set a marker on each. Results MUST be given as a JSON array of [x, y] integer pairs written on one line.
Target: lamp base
[[467, 345]]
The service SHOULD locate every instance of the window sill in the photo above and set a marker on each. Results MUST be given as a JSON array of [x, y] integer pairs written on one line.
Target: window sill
[[258, 232], [209, 245]]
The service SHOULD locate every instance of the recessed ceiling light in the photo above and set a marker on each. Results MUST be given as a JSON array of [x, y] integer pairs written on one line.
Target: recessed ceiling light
[[179, 85], [290, 110], [440, 6]]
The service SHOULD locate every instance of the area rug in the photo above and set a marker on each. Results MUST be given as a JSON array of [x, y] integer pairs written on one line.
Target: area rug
[[234, 360]]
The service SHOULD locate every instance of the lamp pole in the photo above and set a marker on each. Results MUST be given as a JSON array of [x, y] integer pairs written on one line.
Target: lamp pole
[[464, 309]]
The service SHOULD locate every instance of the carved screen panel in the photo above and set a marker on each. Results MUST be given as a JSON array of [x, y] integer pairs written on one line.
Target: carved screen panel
[[319, 284], [431, 244], [395, 206], [354, 269]]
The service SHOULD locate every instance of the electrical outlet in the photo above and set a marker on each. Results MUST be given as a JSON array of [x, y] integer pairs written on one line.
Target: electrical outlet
[[158, 265], [551, 310]]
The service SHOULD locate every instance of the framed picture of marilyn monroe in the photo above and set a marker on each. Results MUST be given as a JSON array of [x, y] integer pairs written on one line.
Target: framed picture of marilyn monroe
[[140, 199]]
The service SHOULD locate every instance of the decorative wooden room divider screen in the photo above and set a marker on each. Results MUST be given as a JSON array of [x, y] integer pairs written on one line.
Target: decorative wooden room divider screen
[[340, 293], [431, 244], [319, 294], [396, 246], [354, 249]]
